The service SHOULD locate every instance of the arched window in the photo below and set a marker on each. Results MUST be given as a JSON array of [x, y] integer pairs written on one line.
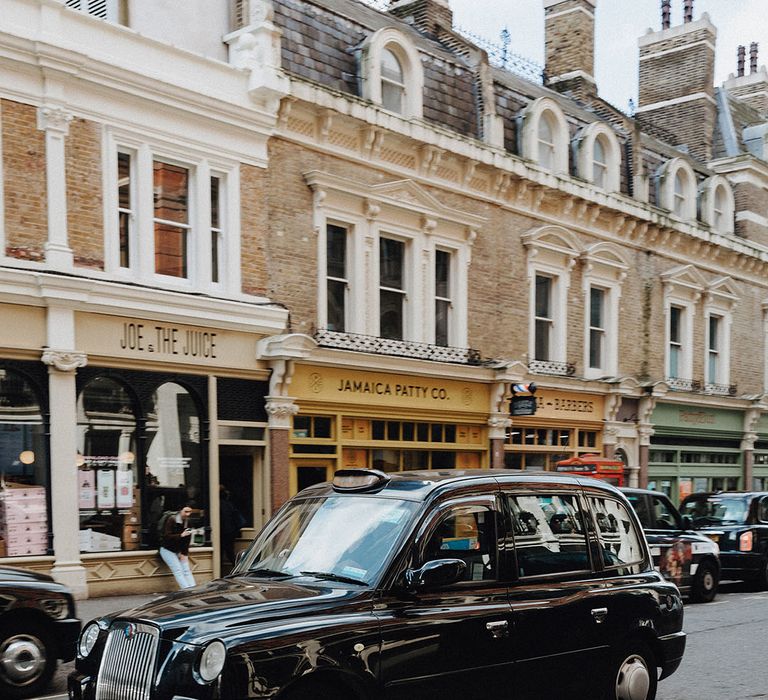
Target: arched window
[[392, 82], [546, 142], [678, 198], [174, 453], [719, 206], [107, 467], [676, 189], [23, 461], [599, 163]]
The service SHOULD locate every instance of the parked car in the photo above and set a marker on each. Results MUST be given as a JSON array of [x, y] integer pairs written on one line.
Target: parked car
[[687, 558], [411, 585], [738, 522], [38, 626]]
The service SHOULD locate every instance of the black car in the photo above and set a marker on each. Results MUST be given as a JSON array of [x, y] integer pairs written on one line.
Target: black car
[[687, 558], [428, 584], [38, 626], [738, 522]]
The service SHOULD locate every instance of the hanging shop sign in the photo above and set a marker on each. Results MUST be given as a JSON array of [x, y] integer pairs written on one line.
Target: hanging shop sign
[[563, 405]]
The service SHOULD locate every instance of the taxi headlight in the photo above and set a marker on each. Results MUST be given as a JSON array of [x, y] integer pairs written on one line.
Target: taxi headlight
[[212, 661], [88, 639]]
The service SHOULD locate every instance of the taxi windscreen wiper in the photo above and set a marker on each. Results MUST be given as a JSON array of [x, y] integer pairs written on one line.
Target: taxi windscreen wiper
[[328, 576], [269, 573]]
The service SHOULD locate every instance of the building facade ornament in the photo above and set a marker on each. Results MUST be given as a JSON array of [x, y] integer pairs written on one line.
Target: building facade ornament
[[280, 410], [64, 360], [54, 119]]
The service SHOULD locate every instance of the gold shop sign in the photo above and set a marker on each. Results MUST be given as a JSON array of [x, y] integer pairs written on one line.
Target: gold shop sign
[[390, 390], [167, 342], [562, 405]]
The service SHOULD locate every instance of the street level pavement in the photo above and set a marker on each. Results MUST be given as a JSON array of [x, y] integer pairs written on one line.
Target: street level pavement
[[724, 659]]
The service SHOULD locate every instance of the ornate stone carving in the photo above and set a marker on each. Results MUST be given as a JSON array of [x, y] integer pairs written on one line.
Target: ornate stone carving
[[64, 360], [54, 119], [280, 409]]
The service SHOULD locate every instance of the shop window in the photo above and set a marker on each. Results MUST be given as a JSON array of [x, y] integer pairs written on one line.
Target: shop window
[[587, 438], [109, 497], [620, 543], [174, 455], [662, 456], [312, 427], [664, 486], [23, 468], [549, 535]]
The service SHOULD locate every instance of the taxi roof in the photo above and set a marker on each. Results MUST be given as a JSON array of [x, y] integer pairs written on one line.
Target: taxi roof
[[417, 485]]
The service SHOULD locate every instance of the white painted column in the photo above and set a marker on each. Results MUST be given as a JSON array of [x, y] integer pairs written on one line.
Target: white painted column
[[54, 121], [65, 518]]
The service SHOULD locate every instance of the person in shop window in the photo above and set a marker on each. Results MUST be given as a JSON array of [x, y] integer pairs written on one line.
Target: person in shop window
[[174, 546]]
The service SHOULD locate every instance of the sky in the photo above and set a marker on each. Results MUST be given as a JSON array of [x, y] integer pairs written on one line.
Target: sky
[[618, 26]]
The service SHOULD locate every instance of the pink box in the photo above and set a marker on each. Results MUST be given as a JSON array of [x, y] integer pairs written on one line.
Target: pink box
[[21, 550], [22, 529], [19, 513], [16, 491], [35, 539]]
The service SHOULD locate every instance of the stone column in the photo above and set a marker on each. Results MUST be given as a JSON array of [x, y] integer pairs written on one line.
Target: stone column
[[280, 410], [644, 450], [498, 425], [748, 439], [54, 121], [65, 519]]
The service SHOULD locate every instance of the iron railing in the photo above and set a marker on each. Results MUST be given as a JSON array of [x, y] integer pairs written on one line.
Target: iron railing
[[560, 369], [678, 384], [721, 389], [397, 348]]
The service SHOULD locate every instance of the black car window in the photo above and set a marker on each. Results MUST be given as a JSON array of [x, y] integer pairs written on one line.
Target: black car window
[[549, 534], [664, 518], [640, 504], [762, 510], [619, 540], [466, 532]]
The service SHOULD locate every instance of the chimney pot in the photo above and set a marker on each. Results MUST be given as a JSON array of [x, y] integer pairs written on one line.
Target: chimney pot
[[753, 57], [688, 11], [741, 53], [666, 13]]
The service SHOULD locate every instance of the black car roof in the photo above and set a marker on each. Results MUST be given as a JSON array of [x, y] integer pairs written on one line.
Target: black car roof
[[743, 494], [419, 484]]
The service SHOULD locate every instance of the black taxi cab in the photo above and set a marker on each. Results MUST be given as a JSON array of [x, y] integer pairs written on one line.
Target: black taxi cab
[[738, 522], [687, 558], [450, 584]]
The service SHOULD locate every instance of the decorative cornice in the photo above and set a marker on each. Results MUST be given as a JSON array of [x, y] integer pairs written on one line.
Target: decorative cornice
[[54, 119], [280, 410], [64, 360]]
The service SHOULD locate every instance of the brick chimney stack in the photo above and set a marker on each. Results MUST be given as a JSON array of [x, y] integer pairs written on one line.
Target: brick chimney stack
[[427, 16], [666, 14], [688, 11], [752, 88], [677, 74], [569, 31]]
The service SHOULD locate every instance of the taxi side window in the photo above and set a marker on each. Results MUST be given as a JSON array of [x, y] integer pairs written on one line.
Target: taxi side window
[[663, 517], [467, 533], [762, 511], [640, 505], [549, 536], [619, 540]]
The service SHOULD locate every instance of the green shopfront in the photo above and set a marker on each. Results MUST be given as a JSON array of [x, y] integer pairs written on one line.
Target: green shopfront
[[695, 448], [760, 464]]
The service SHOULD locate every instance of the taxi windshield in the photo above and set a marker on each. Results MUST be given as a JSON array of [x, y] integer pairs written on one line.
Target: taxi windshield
[[343, 538], [716, 510]]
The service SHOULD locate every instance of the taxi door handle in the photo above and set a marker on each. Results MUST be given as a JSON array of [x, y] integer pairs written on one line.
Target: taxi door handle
[[498, 628], [599, 614]]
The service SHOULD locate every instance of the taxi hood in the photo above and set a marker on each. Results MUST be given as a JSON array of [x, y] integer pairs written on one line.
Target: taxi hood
[[234, 607]]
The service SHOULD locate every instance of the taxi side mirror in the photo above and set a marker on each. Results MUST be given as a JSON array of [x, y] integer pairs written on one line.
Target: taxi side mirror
[[433, 574], [687, 522]]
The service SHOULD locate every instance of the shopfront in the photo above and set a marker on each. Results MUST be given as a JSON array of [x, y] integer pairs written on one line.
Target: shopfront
[[695, 448], [760, 459], [163, 415], [566, 425], [392, 422]]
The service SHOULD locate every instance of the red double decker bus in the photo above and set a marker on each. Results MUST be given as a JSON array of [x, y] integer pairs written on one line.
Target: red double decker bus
[[610, 470]]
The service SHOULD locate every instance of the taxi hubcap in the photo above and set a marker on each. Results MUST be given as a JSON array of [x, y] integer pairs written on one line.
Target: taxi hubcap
[[633, 681], [22, 659]]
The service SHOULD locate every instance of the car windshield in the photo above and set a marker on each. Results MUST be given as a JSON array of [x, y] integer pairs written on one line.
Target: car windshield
[[716, 510], [345, 538]]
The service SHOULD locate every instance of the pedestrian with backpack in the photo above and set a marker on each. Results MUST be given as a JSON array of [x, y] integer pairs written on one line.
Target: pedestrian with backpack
[[174, 545]]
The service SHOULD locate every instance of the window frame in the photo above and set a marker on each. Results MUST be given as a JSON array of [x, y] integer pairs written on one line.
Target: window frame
[[720, 301], [449, 299], [202, 167], [545, 108], [405, 293], [348, 235], [682, 205], [585, 161], [709, 198]]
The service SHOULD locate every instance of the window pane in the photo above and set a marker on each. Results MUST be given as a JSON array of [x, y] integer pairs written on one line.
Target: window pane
[[674, 324], [599, 152], [215, 228], [596, 301], [595, 349], [336, 306], [541, 349], [391, 256], [337, 251], [619, 541], [171, 192], [392, 97], [442, 274], [543, 291], [170, 250], [549, 534], [467, 533], [390, 67], [124, 206], [442, 310], [391, 310], [215, 189], [714, 329], [674, 363]]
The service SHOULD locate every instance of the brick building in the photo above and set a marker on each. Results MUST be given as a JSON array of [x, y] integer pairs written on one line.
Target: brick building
[[256, 241]]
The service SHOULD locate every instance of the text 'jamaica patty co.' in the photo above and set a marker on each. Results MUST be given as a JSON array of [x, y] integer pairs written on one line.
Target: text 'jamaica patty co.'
[[376, 388]]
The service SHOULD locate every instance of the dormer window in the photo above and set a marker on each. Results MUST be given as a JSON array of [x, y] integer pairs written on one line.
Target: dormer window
[[391, 72], [392, 84], [717, 204], [103, 9], [599, 164], [545, 135], [677, 189], [598, 156]]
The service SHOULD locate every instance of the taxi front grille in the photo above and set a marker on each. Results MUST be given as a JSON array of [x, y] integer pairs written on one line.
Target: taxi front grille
[[128, 665]]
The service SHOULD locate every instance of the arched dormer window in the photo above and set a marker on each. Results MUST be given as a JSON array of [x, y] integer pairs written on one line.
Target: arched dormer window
[[598, 156], [545, 135], [717, 204], [391, 72], [677, 189]]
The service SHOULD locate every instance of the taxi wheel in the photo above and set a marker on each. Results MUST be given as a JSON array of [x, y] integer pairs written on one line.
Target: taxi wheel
[[762, 578], [27, 659], [704, 588], [316, 690], [634, 675]]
